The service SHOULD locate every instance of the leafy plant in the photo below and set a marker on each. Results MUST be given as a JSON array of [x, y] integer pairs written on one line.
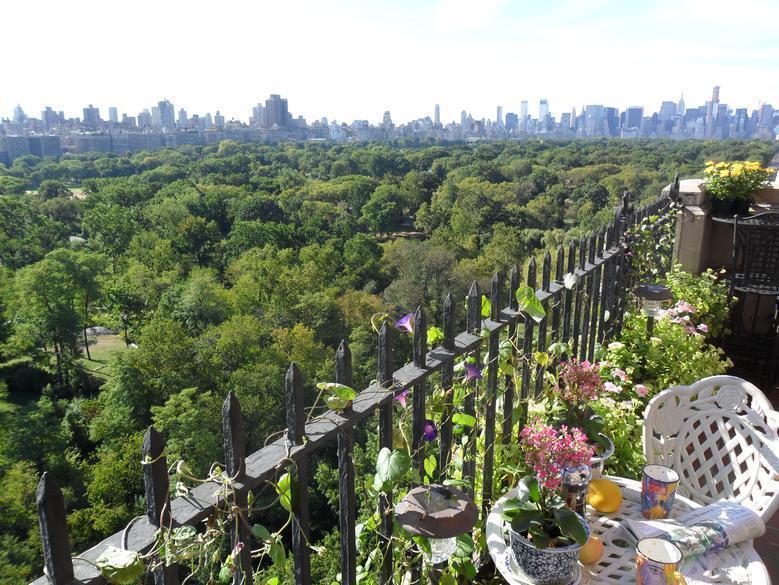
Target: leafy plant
[[541, 513], [736, 179], [707, 292]]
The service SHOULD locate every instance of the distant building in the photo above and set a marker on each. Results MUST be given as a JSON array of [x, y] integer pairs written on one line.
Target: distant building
[[219, 120], [91, 116], [183, 120], [512, 121], [92, 143], [19, 116], [680, 107], [499, 116], [437, 115], [543, 110], [45, 145], [258, 116], [276, 112], [667, 111], [611, 117], [156, 119], [15, 146], [633, 116], [129, 121], [113, 115], [144, 119], [593, 120], [167, 116], [50, 118]]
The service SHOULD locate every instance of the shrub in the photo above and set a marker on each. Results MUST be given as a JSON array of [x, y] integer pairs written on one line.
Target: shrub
[[707, 293]]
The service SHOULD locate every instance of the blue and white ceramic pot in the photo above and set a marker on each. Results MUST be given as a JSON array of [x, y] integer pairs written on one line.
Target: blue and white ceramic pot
[[549, 566]]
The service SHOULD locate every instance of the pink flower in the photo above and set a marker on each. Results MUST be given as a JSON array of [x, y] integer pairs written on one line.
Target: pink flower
[[621, 374], [579, 382], [549, 451], [641, 390], [612, 387], [703, 328], [685, 307]]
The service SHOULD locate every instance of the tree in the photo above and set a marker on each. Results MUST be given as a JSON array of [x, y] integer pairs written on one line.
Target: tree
[[53, 190], [110, 228], [384, 210]]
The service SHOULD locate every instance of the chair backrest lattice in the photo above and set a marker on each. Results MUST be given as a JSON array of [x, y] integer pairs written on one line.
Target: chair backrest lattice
[[756, 251], [720, 435]]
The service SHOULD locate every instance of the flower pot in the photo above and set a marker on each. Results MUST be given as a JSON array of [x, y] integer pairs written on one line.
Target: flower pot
[[723, 207], [549, 566], [741, 207], [606, 450]]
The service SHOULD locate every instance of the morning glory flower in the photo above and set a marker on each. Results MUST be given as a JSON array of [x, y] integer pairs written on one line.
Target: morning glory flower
[[406, 322], [430, 430], [402, 397], [472, 372]]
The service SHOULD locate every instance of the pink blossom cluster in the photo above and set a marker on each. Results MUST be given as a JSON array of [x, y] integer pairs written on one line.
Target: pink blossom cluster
[[549, 451], [579, 382], [681, 314]]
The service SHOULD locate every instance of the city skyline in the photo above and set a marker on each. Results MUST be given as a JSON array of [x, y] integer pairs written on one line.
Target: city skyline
[[348, 60], [537, 109]]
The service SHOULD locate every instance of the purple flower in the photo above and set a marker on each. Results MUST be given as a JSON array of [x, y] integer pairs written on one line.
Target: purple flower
[[402, 397], [406, 322], [430, 430], [611, 387], [237, 549], [472, 372], [703, 328]]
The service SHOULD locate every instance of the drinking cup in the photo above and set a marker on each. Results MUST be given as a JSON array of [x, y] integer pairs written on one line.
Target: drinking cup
[[658, 489], [657, 561]]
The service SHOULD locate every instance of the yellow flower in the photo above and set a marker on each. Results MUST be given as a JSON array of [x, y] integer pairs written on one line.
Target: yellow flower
[[724, 173], [709, 163], [721, 165]]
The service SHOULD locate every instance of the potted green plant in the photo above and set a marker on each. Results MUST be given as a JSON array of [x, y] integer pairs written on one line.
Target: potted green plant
[[545, 534], [732, 185]]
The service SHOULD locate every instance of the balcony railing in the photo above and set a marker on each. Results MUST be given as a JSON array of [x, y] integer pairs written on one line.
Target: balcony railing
[[587, 313]]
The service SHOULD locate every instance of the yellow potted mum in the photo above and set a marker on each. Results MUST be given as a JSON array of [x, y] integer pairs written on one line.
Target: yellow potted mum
[[732, 185]]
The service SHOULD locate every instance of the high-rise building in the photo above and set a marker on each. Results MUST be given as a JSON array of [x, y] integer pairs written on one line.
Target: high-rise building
[[512, 121], [276, 111], [183, 118], [543, 110], [144, 119], [611, 116], [386, 120], [45, 145], [258, 116], [91, 116], [113, 115], [167, 115], [593, 120], [667, 110], [523, 115], [219, 120], [633, 116], [50, 118], [463, 119], [499, 117], [156, 119], [129, 121], [437, 115], [680, 107], [19, 116]]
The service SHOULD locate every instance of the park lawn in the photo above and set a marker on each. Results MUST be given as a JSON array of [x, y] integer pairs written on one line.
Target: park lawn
[[102, 353]]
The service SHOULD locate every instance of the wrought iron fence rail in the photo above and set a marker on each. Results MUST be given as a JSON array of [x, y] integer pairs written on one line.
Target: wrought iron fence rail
[[584, 314]]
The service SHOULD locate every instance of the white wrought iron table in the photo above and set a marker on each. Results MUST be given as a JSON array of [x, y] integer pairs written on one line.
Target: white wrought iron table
[[738, 564]]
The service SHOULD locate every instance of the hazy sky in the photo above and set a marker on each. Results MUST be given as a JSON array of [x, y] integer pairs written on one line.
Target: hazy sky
[[350, 59]]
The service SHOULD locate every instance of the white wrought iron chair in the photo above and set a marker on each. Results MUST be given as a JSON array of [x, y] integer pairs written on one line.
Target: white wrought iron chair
[[720, 435]]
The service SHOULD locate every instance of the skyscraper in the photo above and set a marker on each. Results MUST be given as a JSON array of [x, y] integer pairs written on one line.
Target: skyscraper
[[680, 107], [156, 118], [144, 119], [543, 110], [183, 118], [113, 115], [276, 111], [463, 119], [523, 115], [219, 120], [499, 117], [167, 115], [92, 116], [437, 115], [258, 116], [50, 118], [593, 120], [19, 116], [633, 116], [667, 109]]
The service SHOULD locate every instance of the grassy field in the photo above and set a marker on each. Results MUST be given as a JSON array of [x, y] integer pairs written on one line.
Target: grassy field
[[102, 352]]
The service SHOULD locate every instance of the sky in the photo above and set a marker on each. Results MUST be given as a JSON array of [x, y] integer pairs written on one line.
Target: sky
[[354, 59]]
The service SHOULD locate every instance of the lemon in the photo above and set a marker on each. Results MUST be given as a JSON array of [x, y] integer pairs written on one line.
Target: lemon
[[592, 550], [604, 495]]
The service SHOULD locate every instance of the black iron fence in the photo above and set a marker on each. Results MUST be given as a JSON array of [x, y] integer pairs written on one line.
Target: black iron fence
[[584, 291]]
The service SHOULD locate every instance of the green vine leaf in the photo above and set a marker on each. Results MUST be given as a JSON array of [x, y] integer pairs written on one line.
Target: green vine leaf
[[120, 566], [430, 465], [486, 307], [529, 303], [284, 490], [434, 335], [390, 467], [466, 420], [261, 533]]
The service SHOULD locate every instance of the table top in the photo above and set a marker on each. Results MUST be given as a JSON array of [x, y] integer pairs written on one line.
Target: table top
[[738, 564]]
